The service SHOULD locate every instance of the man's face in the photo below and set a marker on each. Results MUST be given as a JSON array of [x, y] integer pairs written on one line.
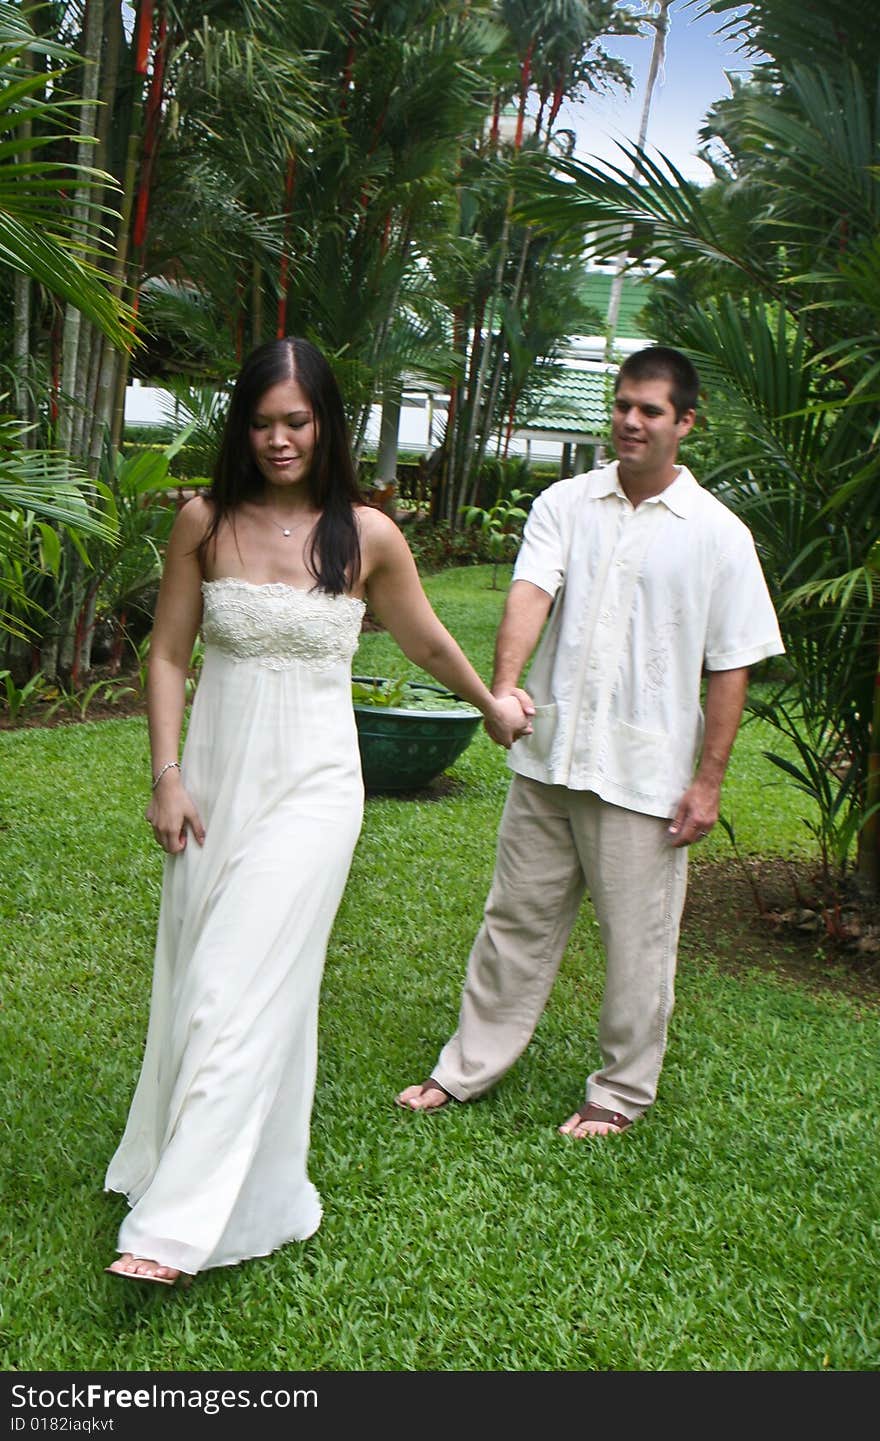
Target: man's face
[[644, 430]]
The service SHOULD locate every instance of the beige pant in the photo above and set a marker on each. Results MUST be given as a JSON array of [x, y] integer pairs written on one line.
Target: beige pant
[[552, 845]]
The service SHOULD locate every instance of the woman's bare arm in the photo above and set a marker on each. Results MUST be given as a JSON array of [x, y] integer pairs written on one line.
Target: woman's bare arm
[[178, 617], [396, 597]]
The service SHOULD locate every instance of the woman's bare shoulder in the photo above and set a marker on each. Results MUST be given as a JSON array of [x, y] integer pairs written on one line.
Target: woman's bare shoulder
[[194, 518], [382, 542], [377, 528]]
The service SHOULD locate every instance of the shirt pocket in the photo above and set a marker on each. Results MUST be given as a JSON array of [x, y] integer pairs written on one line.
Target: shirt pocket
[[540, 742], [640, 759]]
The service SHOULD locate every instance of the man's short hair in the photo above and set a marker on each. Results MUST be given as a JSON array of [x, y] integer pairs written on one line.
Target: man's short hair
[[661, 362]]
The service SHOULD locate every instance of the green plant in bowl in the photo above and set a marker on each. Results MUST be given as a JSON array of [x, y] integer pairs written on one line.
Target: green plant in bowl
[[401, 694]]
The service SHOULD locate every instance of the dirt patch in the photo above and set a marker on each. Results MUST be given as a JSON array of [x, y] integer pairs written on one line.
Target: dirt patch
[[115, 696], [777, 918]]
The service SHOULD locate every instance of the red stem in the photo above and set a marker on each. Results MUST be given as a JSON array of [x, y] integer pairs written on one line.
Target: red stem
[[524, 82], [556, 106], [142, 36], [152, 121]]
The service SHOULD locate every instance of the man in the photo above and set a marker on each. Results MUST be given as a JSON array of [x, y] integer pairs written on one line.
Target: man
[[659, 581]]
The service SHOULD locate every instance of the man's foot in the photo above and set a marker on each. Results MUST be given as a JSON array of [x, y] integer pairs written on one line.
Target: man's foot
[[429, 1096], [593, 1120], [141, 1268]]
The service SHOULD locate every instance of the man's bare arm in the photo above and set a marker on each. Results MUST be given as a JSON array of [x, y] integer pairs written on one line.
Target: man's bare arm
[[699, 806], [525, 612]]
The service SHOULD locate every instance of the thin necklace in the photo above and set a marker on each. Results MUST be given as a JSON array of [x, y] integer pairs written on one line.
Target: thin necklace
[[285, 529]]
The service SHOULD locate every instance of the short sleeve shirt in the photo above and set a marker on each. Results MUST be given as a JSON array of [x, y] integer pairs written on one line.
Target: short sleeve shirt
[[653, 594]]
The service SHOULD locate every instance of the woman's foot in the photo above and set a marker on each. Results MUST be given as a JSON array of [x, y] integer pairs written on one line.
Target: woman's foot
[[141, 1268]]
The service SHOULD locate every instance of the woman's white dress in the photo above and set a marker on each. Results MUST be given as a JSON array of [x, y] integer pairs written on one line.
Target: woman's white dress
[[214, 1156]]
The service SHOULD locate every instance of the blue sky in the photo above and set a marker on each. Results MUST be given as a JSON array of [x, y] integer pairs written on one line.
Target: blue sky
[[693, 77]]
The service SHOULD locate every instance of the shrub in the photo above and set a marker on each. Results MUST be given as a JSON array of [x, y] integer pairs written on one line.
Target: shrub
[[435, 545]]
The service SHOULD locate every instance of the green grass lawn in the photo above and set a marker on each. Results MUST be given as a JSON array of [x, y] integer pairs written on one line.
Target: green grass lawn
[[732, 1229]]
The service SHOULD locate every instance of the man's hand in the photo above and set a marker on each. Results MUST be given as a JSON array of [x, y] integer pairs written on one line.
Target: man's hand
[[699, 806], [697, 813], [510, 718]]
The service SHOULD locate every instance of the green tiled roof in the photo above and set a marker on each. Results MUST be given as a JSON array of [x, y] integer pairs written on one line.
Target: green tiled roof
[[576, 403], [596, 289]]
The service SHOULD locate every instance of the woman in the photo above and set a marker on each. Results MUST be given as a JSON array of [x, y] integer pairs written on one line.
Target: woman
[[261, 817]]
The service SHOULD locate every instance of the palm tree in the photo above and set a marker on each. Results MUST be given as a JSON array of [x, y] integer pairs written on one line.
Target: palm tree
[[557, 45], [42, 240], [40, 237], [660, 24]]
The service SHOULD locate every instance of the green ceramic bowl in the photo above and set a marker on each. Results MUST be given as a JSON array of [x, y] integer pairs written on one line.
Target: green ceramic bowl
[[405, 747]]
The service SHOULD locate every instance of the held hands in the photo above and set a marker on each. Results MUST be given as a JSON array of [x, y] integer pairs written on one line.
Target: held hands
[[171, 811], [696, 815], [510, 717]]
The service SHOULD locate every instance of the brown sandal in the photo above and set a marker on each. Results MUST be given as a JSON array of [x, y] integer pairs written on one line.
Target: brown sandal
[[592, 1112]]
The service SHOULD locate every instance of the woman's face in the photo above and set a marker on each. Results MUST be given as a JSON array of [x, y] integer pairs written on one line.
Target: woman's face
[[283, 434]]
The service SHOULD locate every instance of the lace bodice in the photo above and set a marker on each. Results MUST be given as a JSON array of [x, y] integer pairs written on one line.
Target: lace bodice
[[280, 625]]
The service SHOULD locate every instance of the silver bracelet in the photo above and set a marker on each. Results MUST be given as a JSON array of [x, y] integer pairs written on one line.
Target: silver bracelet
[[169, 765]]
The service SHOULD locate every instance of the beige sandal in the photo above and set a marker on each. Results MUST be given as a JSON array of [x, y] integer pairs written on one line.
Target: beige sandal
[[182, 1279]]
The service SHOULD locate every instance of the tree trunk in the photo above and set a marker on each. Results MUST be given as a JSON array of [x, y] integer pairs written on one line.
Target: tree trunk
[[476, 399], [21, 349], [389, 434], [110, 398], [104, 355], [72, 398], [256, 305], [150, 116], [284, 266], [21, 342], [458, 456], [75, 343], [869, 836]]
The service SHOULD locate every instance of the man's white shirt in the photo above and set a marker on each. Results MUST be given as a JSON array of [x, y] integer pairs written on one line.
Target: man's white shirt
[[653, 594]]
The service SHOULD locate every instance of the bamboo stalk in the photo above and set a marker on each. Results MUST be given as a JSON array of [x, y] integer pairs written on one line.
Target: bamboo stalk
[[21, 344], [152, 113], [81, 226]]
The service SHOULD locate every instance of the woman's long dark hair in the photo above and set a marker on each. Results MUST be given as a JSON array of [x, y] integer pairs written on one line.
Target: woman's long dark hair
[[334, 553]]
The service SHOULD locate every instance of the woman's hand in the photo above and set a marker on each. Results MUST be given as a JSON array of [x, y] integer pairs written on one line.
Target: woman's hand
[[510, 717], [171, 811]]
